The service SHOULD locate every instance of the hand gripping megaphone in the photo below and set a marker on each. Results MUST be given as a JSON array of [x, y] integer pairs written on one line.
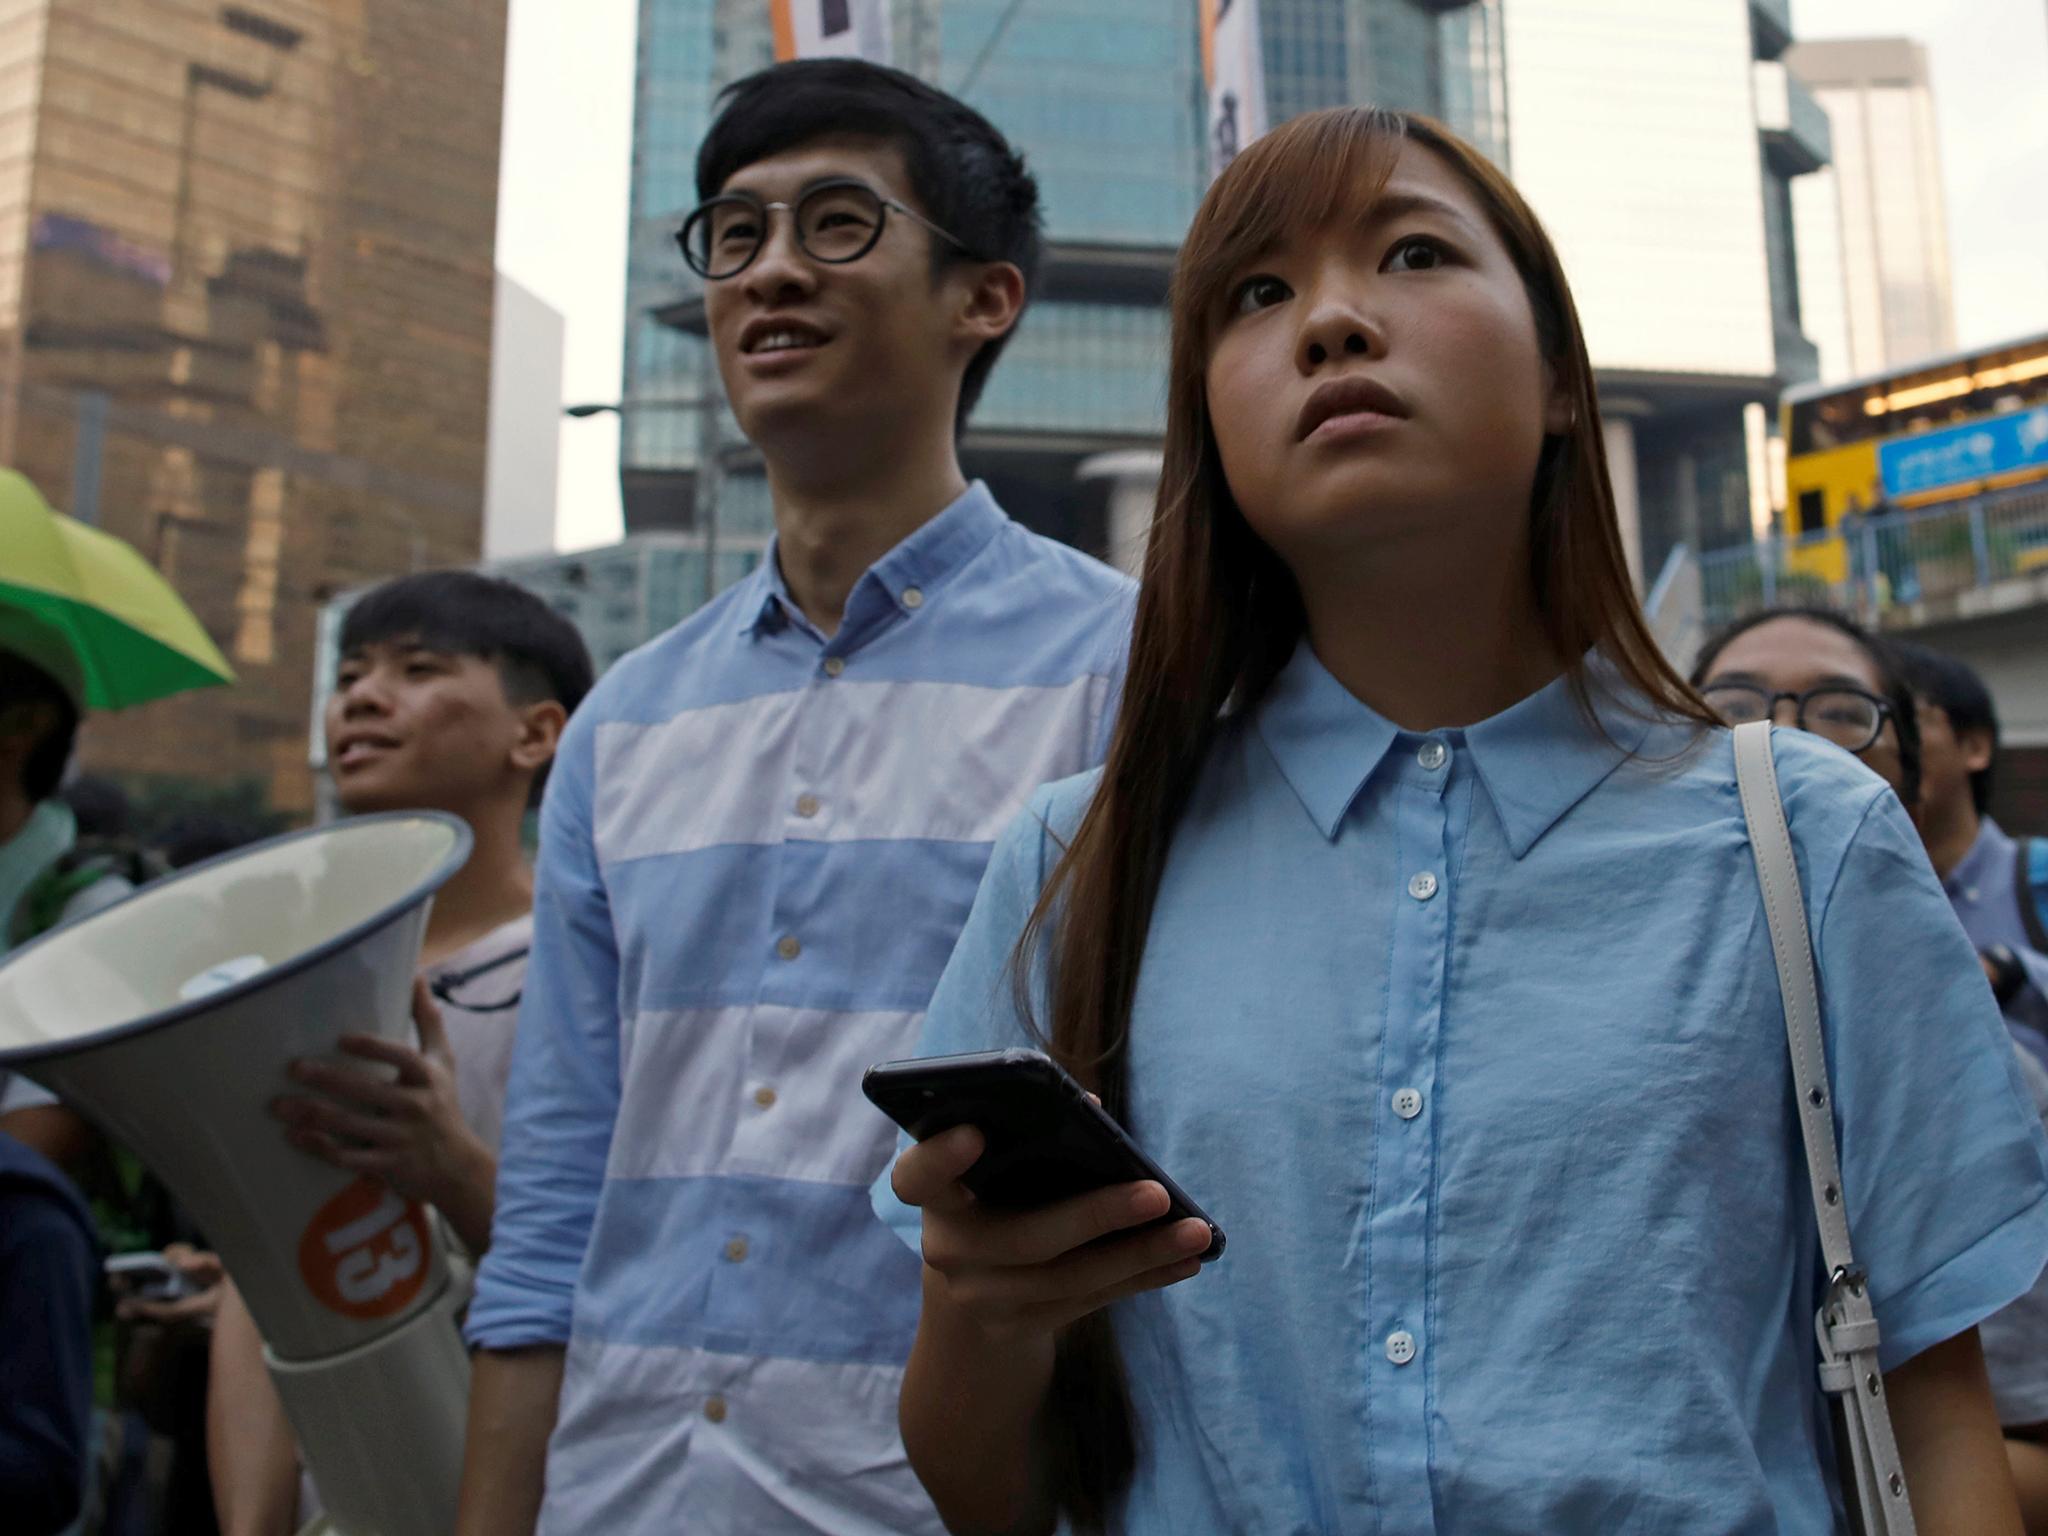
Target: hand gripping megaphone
[[169, 1018]]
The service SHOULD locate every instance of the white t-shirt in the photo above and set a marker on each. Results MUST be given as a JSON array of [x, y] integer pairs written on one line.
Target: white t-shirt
[[478, 989]]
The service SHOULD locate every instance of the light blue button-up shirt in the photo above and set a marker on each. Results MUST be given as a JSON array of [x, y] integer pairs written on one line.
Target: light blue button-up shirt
[[758, 847], [1472, 1044]]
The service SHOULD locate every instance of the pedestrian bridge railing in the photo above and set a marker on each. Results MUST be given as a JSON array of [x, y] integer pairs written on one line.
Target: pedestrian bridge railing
[[1901, 569]]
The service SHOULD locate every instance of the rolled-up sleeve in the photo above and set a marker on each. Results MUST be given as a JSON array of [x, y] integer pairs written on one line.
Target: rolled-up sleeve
[[562, 1100], [1944, 1164]]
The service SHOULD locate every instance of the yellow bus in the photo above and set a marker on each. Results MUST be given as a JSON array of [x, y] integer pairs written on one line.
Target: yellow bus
[[1937, 431]]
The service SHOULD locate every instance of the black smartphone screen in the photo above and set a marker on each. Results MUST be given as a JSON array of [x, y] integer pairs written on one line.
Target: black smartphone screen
[[1046, 1139]]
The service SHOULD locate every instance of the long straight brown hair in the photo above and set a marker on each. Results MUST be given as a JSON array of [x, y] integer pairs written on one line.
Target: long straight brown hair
[[1219, 615]]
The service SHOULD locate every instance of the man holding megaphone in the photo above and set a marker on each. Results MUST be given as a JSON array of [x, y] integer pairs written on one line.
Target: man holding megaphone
[[450, 694]]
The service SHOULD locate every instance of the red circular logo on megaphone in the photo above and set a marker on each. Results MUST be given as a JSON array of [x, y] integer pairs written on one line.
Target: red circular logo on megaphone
[[364, 1253]]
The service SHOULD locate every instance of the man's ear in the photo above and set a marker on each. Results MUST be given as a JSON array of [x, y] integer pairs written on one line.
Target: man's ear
[[1977, 749], [540, 733], [993, 304]]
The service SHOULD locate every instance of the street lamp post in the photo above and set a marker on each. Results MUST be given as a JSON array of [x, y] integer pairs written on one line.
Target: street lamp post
[[704, 485]]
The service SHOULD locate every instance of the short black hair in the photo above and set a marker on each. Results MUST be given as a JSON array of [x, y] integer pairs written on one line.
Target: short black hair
[[23, 682], [1884, 659], [539, 654], [970, 180], [1955, 689]]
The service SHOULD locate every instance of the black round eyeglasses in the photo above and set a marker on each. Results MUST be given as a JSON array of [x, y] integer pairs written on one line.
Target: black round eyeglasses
[[836, 222], [1849, 717]]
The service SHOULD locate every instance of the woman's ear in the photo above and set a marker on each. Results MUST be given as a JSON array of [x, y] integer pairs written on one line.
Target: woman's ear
[[1560, 409]]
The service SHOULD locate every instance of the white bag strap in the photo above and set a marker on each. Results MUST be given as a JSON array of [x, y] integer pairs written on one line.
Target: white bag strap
[[1846, 1324]]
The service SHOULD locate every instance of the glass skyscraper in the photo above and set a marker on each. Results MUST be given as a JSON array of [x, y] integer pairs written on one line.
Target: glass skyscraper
[[1106, 102], [245, 324], [1874, 226]]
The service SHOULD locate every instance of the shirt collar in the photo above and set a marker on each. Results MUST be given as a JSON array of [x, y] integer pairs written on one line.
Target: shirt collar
[[1325, 740], [1537, 759], [921, 564], [1991, 848]]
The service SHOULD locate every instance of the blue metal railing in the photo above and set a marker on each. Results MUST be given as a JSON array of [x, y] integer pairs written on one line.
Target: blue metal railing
[[1875, 566]]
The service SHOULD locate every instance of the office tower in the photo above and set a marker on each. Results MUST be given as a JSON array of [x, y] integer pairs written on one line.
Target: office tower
[[1874, 227], [245, 319]]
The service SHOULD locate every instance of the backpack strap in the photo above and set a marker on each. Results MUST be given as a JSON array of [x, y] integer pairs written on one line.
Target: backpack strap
[[2026, 883], [1846, 1324]]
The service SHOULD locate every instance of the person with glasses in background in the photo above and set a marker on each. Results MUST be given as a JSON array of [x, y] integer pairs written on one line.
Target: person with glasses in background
[[450, 694], [766, 831], [1827, 674], [1824, 673]]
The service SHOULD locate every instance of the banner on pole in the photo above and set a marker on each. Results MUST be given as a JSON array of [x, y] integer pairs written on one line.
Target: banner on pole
[[1235, 73], [831, 29]]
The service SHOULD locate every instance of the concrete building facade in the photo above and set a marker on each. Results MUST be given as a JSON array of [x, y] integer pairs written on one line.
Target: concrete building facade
[[528, 336]]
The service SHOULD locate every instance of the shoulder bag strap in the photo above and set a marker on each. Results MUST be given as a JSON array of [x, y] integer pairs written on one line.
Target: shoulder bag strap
[[2023, 892], [1847, 1323]]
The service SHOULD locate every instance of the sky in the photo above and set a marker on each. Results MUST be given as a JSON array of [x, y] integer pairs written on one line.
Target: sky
[[569, 138], [562, 197]]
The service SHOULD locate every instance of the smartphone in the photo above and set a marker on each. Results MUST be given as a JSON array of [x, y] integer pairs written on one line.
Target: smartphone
[[148, 1277], [1047, 1140]]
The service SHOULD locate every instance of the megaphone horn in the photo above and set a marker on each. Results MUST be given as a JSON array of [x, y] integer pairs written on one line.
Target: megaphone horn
[[169, 1018]]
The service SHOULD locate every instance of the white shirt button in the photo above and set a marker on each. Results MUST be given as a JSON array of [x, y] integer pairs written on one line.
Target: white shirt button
[[788, 947], [807, 806], [1407, 1103], [1422, 886], [834, 665], [1400, 1346], [913, 598], [1433, 755]]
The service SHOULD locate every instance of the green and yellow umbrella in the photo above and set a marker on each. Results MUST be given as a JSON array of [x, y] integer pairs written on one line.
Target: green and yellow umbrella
[[130, 635]]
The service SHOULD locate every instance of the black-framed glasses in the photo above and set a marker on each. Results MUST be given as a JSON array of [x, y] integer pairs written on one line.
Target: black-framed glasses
[[1849, 717], [836, 222]]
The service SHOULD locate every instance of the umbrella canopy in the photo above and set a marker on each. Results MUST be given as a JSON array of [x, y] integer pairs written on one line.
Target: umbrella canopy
[[130, 636]]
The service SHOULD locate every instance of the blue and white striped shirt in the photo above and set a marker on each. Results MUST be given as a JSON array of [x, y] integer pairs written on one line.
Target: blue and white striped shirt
[[758, 848]]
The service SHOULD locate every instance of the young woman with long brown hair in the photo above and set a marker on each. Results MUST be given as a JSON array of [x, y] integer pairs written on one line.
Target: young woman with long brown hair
[[1411, 925]]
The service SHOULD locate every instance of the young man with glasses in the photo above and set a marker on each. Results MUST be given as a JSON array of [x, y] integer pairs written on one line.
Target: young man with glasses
[[765, 833], [1819, 671]]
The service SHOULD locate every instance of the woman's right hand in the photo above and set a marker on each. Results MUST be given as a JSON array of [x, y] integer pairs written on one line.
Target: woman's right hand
[[1032, 1272]]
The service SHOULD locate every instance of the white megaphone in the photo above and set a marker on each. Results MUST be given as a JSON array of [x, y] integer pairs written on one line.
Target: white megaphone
[[168, 1019]]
